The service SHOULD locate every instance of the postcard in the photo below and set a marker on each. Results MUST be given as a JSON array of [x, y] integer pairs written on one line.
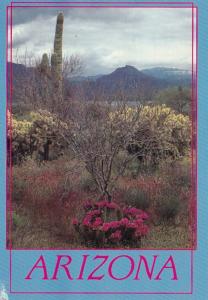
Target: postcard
[[103, 150]]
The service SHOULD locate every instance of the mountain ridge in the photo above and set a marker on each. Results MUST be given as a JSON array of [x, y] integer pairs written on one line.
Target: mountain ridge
[[126, 82]]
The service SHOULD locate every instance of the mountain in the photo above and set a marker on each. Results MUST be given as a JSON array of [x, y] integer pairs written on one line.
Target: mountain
[[173, 76], [125, 83], [24, 81]]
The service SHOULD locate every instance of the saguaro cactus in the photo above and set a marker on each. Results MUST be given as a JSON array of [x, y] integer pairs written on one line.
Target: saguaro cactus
[[58, 46], [44, 65], [54, 67], [51, 75]]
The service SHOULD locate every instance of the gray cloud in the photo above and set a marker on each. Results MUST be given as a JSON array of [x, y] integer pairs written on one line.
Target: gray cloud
[[101, 15], [26, 15], [107, 38]]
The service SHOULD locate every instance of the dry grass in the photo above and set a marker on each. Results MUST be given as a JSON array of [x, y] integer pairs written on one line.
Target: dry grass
[[164, 236], [47, 197], [167, 236]]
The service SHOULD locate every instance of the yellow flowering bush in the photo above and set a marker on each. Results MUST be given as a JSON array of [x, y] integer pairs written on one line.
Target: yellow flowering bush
[[36, 135], [160, 133]]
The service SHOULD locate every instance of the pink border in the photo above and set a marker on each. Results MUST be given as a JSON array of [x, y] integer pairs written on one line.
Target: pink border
[[7, 227], [194, 138], [98, 6], [196, 123], [194, 120], [104, 2]]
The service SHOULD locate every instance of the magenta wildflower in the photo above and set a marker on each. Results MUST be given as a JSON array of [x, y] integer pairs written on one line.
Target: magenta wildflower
[[129, 228]]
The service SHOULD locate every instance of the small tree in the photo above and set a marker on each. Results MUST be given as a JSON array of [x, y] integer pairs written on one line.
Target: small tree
[[99, 135]]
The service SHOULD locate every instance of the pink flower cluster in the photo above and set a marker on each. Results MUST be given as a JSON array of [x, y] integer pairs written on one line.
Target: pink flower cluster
[[88, 205], [110, 205], [92, 218], [116, 236], [129, 228], [134, 228], [133, 212]]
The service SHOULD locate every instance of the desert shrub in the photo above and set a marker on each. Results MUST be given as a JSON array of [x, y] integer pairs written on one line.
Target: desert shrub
[[170, 197], [177, 183], [18, 187], [161, 134], [20, 143], [18, 220], [136, 198], [106, 223], [177, 98], [35, 135], [145, 186], [181, 174], [168, 204], [165, 194]]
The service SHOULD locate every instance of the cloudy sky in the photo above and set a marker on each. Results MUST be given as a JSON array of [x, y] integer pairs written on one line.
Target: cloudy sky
[[107, 38]]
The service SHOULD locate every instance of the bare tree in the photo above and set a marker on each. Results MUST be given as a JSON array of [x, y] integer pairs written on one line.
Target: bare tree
[[33, 83], [72, 66], [99, 135]]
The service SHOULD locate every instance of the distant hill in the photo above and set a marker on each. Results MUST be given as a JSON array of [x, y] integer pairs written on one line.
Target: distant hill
[[20, 76], [173, 76], [125, 83]]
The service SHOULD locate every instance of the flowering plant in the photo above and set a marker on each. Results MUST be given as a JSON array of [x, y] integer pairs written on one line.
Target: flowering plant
[[106, 223]]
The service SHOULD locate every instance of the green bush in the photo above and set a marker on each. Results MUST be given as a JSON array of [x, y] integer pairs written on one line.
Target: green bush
[[17, 220], [168, 205], [180, 175], [136, 198], [177, 98], [18, 188]]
